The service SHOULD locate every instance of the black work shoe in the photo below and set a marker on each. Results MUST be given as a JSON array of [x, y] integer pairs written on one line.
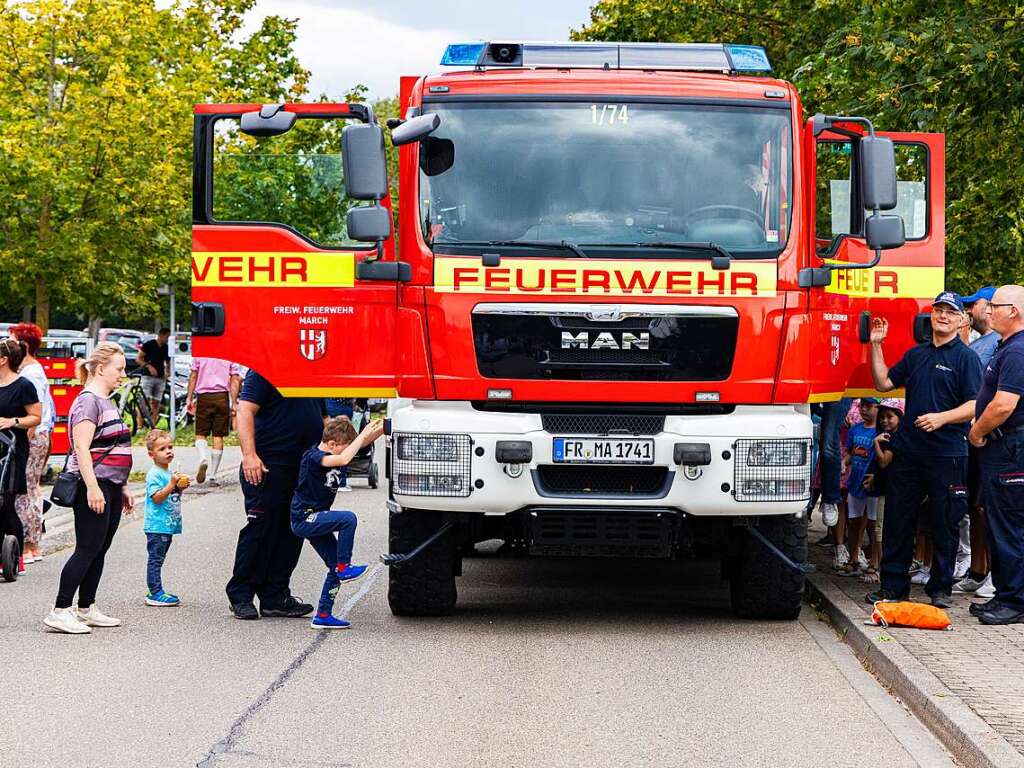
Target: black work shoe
[[246, 611], [942, 600], [883, 596], [1004, 614], [291, 609], [977, 609]]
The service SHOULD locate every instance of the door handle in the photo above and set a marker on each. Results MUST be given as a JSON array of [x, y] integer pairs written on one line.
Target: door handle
[[393, 271], [207, 318]]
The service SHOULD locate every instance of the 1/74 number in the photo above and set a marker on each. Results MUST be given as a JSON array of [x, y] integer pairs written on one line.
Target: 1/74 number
[[609, 114]]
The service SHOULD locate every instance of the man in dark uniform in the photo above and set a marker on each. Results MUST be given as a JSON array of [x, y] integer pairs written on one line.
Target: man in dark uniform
[[274, 432], [929, 450], [998, 432]]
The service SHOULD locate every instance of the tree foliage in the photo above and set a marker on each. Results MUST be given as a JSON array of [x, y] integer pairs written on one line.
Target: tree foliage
[[942, 66]]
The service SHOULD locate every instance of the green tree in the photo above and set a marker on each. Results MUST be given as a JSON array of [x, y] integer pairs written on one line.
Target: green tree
[[943, 66]]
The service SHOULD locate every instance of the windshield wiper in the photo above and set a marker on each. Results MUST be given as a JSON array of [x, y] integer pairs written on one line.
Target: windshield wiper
[[720, 260], [564, 245]]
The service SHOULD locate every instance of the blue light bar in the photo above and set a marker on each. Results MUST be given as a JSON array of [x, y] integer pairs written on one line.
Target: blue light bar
[[694, 57], [463, 54], [748, 58]]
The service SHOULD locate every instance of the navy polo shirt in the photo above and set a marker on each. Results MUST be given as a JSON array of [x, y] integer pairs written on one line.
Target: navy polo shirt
[[286, 427], [937, 379], [1005, 372]]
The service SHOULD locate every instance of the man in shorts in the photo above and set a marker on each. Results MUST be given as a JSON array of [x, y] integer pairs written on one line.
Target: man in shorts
[[213, 388], [155, 360]]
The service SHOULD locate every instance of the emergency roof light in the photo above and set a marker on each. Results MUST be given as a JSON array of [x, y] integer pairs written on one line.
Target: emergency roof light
[[714, 57]]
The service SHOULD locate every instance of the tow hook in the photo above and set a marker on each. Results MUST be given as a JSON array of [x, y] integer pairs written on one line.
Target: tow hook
[[799, 567], [395, 559]]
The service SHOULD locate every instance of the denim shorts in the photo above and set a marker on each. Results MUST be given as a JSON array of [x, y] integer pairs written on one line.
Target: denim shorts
[[153, 387]]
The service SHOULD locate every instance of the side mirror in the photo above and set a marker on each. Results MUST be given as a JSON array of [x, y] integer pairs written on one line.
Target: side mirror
[[923, 328], [368, 224], [883, 231], [819, 124], [270, 120], [364, 162], [878, 173], [415, 129]]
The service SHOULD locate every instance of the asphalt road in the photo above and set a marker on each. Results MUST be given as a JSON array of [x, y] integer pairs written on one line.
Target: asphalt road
[[546, 663]]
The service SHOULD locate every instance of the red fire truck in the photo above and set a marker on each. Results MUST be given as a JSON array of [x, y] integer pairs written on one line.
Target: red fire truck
[[621, 275]]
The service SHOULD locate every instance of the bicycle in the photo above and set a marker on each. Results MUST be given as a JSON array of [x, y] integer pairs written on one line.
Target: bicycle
[[132, 405]]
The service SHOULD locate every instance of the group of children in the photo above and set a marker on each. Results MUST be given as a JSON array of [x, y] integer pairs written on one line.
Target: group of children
[[330, 532]]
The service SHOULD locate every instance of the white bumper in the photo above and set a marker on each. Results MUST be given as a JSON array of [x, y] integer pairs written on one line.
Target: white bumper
[[704, 491]]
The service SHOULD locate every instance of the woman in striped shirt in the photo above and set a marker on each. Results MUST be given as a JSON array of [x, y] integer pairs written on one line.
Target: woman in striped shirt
[[102, 458]]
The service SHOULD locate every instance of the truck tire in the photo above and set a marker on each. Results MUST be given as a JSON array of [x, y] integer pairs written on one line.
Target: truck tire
[[762, 586], [425, 586]]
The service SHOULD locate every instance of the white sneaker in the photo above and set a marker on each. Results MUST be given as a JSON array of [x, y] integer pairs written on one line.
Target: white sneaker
[[987, 588], [65, 620], [963, 565], [920, 577], [842, 556], [862, 562], [94, 617], [967, 585], [829, 514], [345, 489]]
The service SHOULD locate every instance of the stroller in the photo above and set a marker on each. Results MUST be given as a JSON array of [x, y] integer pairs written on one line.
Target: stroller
[[10, 550], [363, 464]]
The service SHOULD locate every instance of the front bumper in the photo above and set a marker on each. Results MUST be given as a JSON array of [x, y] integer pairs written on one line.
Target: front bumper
[[491, 488]]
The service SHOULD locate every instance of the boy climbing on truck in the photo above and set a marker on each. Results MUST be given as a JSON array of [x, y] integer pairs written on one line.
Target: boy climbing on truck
[[330, 531]]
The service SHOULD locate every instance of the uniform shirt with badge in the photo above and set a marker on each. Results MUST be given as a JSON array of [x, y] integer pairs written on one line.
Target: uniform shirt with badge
[[1005, 372], [317, 486], [285, 427], [936, 379]]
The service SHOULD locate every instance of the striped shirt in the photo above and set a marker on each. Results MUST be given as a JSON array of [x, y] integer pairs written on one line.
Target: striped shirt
[[115, 465]]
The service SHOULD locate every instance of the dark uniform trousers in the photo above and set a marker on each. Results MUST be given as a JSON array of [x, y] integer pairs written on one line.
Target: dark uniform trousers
[[1002, 477], [911, 478], [267, 550]]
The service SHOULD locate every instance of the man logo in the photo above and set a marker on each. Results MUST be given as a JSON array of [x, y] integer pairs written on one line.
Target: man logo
[[312, 343], [606, 340]]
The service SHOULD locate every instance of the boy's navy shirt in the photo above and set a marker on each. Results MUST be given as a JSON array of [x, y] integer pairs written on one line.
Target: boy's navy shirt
[[860, 445], [936, 379], [317, 485], [285, 426], [1005, 371]]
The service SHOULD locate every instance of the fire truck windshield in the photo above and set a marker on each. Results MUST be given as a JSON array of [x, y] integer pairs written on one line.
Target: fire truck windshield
[[603, 174]]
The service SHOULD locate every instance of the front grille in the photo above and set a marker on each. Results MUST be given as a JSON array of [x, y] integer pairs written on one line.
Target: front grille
[[601, 480], [602, 424], [605, 356], [601, 534], [582, 323]]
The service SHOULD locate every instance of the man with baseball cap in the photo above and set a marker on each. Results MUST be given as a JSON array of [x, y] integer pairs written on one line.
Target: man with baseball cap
[[929, 450], [977, 306], [998, 431]]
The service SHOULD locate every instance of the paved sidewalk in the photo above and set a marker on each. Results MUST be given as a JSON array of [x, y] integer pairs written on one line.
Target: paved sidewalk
[[976, 696]]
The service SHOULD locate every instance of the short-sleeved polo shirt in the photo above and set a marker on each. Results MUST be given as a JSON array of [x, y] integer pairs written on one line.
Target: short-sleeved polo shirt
[[1004, 372], [286, 427], [936, 379]]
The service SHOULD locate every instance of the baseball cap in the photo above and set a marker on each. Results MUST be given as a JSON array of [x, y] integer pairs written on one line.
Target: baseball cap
[[893, 404], [870, 401], [950, 298], [985, 293]]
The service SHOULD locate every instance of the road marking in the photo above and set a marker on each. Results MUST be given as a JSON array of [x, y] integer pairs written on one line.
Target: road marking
[[234, 735]]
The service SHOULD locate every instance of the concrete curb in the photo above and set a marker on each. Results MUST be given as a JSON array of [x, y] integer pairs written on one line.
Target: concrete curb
[[970, 739]]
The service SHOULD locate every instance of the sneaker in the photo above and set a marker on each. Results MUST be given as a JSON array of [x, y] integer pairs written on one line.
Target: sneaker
[[94, 617], [842, 557], [245, 611], [1004, 614], [328, 622], [942, 600], [825, 541], [65, 620], [987, 588], [920, 577], [967, 585], [862, 562], [345, 489], [201, 472], [962, 566], [883, 596], [829, 514], [161, 598], [352, 572], [292, 609], [977, 609]]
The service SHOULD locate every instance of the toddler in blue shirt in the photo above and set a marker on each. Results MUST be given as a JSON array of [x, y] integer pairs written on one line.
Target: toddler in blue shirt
[[163, 513]]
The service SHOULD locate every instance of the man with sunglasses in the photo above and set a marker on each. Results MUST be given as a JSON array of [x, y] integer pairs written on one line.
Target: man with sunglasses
[[929, 450], [998, 431]]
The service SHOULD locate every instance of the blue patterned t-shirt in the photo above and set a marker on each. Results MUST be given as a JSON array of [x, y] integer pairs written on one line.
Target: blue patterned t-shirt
[[166, 516]]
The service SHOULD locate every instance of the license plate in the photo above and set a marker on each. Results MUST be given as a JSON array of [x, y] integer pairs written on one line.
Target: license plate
[[591, 450]]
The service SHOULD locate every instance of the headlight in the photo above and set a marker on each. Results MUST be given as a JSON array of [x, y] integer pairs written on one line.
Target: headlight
[[776, 453], [428, 448]]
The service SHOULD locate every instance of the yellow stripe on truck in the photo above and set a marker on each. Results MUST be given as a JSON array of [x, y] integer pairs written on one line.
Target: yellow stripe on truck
[[266, 269], [888, 282], [562, 277]]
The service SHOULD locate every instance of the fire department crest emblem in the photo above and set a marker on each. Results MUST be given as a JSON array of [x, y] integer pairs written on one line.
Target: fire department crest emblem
[[312, 343]]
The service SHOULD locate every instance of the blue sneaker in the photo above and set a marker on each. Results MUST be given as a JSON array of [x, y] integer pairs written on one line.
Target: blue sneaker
[[161, 598], [328, 622], [352, 572]]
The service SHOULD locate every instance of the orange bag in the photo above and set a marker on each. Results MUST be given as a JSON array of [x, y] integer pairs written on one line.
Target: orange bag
[[908, 614]]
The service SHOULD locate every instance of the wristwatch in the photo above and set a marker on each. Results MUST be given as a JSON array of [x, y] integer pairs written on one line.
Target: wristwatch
[[16, 422]]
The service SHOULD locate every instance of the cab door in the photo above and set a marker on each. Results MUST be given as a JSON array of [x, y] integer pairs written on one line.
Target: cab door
[[276, 281], [900, 286]]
